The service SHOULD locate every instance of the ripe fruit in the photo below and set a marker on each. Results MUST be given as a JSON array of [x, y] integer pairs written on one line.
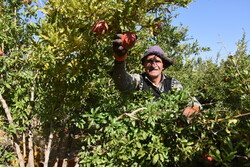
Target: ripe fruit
[[100, 27], [226, 79], [180, 122], [158, 27], [207, 158], [128, 40], [1, 53], [27, 1]]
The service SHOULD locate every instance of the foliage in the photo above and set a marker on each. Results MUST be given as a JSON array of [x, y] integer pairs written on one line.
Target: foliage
[[158, 135], [236, 76], [7, 154]]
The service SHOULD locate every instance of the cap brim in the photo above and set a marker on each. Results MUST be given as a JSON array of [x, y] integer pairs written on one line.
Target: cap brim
[[167, 62]]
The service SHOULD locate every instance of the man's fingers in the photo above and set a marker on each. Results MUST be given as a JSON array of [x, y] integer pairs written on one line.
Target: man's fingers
[[117, 42], [118, 36]]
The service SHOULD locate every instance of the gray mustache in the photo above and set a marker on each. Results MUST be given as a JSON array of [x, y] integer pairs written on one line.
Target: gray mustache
[[151, 69]]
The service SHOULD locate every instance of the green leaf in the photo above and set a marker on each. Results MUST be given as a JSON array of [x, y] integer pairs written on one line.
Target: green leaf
[[232, 121], [155, 158], [138, 144]]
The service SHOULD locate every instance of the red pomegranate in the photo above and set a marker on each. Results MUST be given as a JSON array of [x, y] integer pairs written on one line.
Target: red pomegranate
[[100, 27], [128, 40]]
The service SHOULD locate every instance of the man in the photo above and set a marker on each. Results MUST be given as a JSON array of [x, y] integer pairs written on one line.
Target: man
[[155, 61]]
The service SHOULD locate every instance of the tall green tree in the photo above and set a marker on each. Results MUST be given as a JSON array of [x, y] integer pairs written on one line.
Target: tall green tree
[[16, 78]]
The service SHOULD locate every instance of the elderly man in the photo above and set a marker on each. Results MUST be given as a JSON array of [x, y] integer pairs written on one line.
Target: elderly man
[[154, 61]]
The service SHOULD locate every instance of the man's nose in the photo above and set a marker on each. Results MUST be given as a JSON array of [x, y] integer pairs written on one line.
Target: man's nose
[[154, 63]]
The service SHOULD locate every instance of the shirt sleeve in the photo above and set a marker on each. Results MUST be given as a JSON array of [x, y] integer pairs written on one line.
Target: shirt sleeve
[[123, 80], [195, 102]]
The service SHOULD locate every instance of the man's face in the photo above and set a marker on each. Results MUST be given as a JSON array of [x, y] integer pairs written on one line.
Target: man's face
[[153, 66]]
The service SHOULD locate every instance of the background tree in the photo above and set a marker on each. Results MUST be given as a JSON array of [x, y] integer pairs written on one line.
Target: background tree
[[16, 77]]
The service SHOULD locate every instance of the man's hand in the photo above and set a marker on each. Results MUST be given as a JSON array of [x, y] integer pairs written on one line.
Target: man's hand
[[189, 111], [120, 51], [122, 42]]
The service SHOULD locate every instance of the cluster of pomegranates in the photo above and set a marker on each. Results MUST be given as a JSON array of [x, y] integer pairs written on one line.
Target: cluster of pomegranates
[[128, 38]]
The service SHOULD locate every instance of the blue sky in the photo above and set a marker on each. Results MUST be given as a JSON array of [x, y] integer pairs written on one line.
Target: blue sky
[[218, 24]]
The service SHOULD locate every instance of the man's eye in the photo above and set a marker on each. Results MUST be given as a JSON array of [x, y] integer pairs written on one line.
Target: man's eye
[[149, 61], [153, 61]]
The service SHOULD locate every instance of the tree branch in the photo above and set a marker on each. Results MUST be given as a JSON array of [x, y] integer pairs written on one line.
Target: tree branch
[[31, 150], [131, 115], [16, 141], [48, 147], [221, 120]]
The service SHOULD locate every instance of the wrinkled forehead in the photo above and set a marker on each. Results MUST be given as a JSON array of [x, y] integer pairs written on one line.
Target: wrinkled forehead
[[153, 57]]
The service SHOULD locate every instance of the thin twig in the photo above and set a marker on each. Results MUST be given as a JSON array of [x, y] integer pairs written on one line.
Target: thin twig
[[241, 115], [236, 116], [139, 109], [132, 114]]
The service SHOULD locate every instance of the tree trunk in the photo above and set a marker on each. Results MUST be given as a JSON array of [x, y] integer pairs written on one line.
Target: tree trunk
[[16, 141], [31, 161], [48, 147], [24, 146], [65, 162]]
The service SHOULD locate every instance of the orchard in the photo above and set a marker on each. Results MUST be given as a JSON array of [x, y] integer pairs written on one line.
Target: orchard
[[60, 107]]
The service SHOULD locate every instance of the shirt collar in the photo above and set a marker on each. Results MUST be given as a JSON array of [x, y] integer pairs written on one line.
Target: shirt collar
[[162, 79]]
